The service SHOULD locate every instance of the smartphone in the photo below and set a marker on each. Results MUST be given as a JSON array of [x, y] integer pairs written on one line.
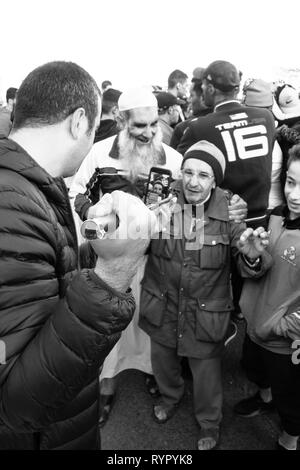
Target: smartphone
[[158, 186]]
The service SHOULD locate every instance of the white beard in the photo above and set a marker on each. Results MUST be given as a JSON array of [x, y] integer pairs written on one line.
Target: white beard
[[139, 158]]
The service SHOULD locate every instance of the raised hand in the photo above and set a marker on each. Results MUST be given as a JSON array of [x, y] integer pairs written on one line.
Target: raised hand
[[253, 242], [120, 252]]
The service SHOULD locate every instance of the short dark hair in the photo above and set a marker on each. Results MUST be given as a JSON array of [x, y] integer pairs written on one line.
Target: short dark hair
[[197, 86], [53, 91], [175, 77], [110, 99], [11, 93], [105, 84], [294, 155]]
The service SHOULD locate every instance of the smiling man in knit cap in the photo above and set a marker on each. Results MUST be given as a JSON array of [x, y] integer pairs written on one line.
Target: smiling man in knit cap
[[185, 300], [123, 162]]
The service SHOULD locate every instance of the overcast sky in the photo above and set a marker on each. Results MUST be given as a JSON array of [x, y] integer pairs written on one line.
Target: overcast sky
[[141, 42]]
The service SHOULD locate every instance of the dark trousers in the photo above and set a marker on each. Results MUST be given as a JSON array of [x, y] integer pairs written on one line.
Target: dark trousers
[[207, 383], [266, 368]]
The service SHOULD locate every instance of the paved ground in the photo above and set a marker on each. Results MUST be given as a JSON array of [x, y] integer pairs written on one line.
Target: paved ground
[[131, 426]]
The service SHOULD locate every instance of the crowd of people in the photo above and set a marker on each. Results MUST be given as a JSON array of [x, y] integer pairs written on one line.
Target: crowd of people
[[166, 286]]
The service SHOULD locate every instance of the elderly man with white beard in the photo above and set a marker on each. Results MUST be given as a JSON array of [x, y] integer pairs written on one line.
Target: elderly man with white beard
[[123, 163]]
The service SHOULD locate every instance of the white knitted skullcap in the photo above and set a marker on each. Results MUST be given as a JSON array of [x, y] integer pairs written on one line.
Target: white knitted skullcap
[[137, 98]]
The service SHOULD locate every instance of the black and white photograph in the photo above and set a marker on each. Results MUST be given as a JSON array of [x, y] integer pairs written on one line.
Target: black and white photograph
[[149, 228]]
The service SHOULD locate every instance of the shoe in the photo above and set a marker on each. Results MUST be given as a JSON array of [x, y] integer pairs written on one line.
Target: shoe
[[162, 414], [152, 386], [106, 404], [208, 439], [230, 333], [253, 406]]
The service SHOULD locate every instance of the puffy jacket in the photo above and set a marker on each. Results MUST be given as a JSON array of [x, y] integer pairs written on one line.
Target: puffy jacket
[[57, 323], [186, 300]]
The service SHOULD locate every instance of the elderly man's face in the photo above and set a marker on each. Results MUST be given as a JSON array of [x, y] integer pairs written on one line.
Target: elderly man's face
[[143, 124], [197, 179]]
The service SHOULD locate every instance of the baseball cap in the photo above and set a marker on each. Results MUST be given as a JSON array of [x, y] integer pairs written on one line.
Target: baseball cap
[[257, 93], [288, 100], [165, 100], [223, 75]]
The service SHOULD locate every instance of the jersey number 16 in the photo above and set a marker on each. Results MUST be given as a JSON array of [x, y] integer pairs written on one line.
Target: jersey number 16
[[244, 143]]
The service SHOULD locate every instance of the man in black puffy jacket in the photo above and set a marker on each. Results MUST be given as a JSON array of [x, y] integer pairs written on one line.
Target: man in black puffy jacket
[[57, 322]]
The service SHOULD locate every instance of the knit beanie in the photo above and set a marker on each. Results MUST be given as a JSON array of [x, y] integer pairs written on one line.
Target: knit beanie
[[209, 153]]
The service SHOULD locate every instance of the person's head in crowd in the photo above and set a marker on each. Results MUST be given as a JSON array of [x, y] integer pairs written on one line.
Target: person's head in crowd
[[158, 187], [257, 93], [221, 82], [292, 184], [198, 106], [178, 84], [287, 98], [198, 73], [140, 140], [110, 108], [11, 97], [106, 85], [59, 103], [168, 107], [203, 168]]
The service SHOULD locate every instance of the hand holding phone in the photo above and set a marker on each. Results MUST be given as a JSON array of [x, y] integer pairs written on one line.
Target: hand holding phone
[[158, 186]]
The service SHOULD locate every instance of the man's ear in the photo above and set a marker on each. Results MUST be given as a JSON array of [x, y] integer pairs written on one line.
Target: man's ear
[[78, 123], [115, 111], [211, 89]]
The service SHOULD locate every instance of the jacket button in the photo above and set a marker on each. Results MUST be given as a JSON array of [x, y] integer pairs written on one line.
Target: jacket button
[[162, 295], [181, 290], [202, 305], [180, 336], [179, 313]]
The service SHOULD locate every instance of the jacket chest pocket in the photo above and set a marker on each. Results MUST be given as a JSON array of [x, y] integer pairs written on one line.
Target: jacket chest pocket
[[215, 251]]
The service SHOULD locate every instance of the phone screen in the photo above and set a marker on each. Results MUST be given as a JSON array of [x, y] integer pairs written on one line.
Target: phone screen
[[158, 186]]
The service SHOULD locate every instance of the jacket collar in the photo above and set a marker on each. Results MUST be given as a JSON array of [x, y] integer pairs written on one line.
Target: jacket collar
[[215, 208], [115, 152], [227, 105]]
